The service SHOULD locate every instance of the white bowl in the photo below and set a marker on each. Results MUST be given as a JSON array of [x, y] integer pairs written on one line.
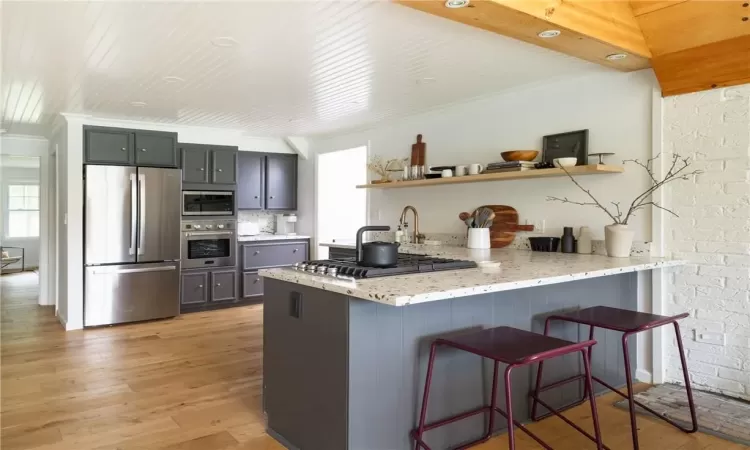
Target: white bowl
[[565, 162]]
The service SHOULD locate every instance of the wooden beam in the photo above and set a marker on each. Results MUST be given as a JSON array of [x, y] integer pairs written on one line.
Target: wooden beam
[[691, 24], [591, 30], [720, 64], [646, 6]]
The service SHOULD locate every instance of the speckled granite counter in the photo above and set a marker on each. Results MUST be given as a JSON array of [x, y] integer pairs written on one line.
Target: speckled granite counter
[[519, 269]]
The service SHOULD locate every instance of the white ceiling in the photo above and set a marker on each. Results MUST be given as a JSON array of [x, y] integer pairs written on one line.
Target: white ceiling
[[298, 68]]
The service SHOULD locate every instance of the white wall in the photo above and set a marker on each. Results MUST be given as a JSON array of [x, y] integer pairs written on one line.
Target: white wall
[[59, 143], [19, 175], [615, 107], [713, 231]]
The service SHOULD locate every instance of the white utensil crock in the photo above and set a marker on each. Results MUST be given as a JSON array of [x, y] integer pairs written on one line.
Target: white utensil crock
[[618, 240], [478, 238]]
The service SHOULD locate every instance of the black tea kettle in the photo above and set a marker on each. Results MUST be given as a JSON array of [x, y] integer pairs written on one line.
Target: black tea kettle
[[376, 254]]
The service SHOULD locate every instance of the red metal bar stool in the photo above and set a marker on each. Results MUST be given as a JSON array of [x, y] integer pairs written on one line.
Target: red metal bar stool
[[629, 323], [515, 348]]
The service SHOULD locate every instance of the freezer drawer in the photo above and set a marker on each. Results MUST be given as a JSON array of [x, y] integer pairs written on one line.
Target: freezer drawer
[[129, 293]]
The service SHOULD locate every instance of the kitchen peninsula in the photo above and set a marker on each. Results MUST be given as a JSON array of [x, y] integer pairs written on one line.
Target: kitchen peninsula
[[344, 361]]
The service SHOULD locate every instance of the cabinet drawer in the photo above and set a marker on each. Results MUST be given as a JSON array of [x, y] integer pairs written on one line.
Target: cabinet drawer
[[252, 284], [273, 255]]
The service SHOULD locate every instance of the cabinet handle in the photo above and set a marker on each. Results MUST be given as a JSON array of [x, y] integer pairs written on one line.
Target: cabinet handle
[[271, 197], [201, 169], [295, 251], [257, 252], [218, 170], [255, 196], [200, 286], [218, 284], [123, 149], [256, 280], [143, 149]]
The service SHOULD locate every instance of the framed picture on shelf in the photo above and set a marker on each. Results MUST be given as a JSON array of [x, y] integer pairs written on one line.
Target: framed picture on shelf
[[566, 145]]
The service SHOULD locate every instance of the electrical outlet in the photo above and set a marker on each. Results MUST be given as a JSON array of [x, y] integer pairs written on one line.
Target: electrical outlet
[[539, 225], [710, 338]]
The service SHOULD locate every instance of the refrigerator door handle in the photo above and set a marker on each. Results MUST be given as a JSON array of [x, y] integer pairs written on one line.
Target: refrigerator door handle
[[133, 213], [141, 270], [142, 213]]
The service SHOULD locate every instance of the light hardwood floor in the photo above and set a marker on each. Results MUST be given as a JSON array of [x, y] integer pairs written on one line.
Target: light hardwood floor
[[191, 383]]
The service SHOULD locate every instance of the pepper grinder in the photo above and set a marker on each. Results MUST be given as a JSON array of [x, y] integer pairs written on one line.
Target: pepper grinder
[[568, 240]]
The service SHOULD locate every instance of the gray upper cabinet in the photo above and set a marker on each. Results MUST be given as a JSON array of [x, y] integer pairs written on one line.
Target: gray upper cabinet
[[195, 163], [119, 146], [281, 181], [250, 180], [156, 149], [224, 166], [224, 285], [194, 288], [108, 146], [208, 164]]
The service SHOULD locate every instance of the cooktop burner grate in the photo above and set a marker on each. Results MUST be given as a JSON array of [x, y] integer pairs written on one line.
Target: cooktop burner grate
[[406, 264]]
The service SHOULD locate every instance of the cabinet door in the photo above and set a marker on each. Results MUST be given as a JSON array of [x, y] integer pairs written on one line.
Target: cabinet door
[[250, 180], [224, 285], [154, 148], [194, 288], [224, 166], [110, 146], [195, 164], [273, 255], [281, 182], [252, 284]]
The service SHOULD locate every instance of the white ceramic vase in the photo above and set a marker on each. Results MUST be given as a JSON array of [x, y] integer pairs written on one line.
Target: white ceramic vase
[[618, 240]]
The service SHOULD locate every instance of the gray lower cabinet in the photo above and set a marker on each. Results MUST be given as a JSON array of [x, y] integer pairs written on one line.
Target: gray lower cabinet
[[194, 288], [203, 289], [121, 146], [252, 285], [208, 164], [224, 285], [260, 255]]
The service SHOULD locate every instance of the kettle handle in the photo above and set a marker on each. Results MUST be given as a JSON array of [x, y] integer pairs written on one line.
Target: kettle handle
[[361, 231]]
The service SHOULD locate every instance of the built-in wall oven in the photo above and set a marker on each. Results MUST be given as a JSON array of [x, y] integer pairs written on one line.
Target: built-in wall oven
[[209, 243], [207, 203]]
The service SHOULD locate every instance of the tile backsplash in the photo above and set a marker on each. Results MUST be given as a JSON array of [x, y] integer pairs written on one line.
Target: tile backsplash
[[266, 221]]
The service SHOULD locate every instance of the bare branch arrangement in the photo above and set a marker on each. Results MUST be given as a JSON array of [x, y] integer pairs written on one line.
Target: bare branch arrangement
[[381, 166], [677, 171]]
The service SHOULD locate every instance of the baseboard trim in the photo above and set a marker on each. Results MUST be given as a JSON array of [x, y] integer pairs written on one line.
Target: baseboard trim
[[63, 322], [644, 375]]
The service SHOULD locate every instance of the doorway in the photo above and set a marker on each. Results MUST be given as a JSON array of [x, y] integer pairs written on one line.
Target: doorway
[[341, 207]]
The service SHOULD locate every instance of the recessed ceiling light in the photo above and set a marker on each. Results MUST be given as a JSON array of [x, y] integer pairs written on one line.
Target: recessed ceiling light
[[616, 56], [138, 104], [546, 34], [224, 41], [173, 79], [426, 80], [456, 3]]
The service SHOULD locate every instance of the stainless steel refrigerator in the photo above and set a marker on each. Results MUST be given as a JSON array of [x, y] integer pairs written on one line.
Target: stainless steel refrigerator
[[132, 244]]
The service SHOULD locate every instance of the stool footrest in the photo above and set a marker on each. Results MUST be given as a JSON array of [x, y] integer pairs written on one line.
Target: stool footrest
[[555, 412]]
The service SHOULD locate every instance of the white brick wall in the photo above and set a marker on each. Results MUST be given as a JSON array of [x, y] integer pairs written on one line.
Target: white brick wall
[[713, 232]]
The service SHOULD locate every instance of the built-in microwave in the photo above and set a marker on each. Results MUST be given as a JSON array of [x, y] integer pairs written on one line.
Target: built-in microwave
[[207, 203]]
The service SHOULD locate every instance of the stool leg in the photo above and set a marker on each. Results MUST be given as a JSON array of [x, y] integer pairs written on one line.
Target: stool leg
[[589, 391], [425, 397], [534, 402], [493, 401], [688, 388], [629, 381], [509, 409], [590, 352]]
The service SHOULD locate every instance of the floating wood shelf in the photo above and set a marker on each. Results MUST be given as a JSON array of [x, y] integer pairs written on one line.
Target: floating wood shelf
[[591, 169]]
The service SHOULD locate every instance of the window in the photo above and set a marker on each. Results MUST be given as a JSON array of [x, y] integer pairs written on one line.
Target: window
[[23, 210]]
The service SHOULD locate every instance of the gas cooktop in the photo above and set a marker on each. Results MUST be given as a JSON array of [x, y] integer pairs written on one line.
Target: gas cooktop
[[347, 268]]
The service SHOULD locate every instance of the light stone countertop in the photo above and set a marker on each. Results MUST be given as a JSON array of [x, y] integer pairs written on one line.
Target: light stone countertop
[[519, 269], [271, 237]]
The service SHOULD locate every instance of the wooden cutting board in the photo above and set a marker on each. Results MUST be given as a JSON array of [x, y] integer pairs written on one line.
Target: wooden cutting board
[[505, 225]]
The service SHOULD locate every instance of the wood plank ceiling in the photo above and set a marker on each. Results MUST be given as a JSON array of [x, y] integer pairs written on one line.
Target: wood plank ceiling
[[692, 45]]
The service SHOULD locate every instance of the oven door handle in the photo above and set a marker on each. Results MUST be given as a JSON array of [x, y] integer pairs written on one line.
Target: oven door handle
[[209, 234]]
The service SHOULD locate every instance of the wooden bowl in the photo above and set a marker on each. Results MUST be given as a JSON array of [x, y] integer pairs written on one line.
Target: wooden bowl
[[519, 155]]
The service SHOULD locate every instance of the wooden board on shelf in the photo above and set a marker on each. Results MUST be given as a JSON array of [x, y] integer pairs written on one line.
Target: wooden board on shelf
[[591, 169], [504, 225]]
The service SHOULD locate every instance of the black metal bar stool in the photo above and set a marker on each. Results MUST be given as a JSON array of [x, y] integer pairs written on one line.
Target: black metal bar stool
[[515, 348], [629, 323]]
